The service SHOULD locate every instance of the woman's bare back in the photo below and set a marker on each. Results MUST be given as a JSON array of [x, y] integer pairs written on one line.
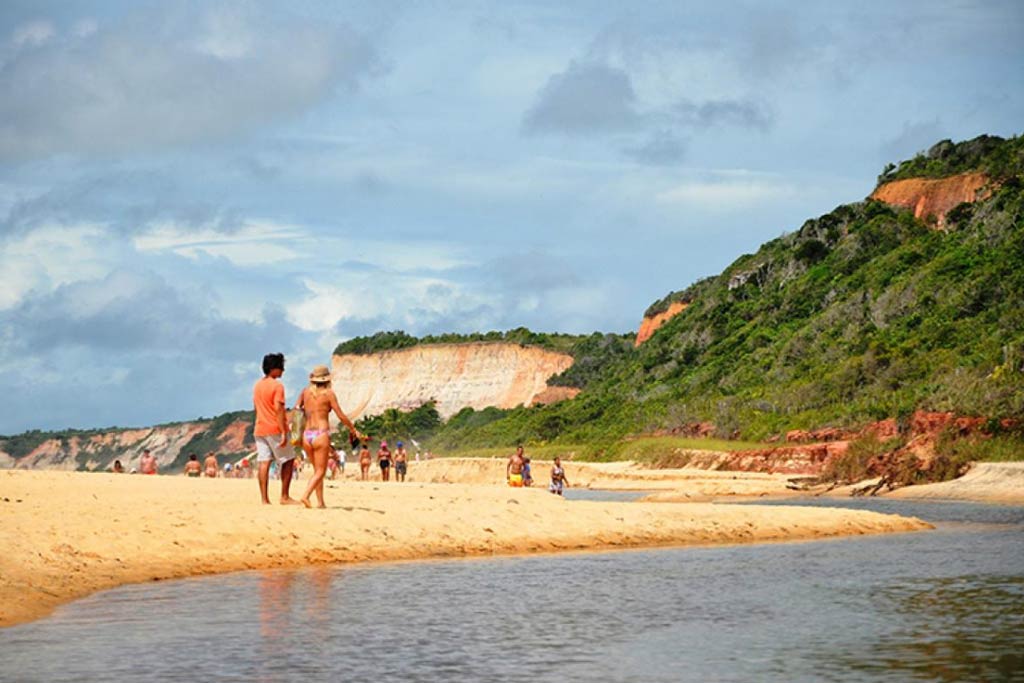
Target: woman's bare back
[[318, 408]]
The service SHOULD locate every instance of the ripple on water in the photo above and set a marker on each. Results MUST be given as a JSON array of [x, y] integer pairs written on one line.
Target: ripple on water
[[945, 605]]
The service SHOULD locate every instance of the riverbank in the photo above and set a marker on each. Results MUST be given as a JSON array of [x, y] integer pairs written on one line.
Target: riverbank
[[65, 534], [685, 484], [986, 482]]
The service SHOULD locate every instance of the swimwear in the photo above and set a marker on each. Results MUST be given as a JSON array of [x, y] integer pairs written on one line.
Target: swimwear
[[401, 467], [211, 471], [194, 474], [556, 488], [384, 464], [515, 480], [311, 434]]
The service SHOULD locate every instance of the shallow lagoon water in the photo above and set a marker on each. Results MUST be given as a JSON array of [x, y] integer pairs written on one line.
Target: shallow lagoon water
[[946, 605]]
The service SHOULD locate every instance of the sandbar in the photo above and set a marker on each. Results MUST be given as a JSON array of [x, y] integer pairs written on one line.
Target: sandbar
[[64, 535]]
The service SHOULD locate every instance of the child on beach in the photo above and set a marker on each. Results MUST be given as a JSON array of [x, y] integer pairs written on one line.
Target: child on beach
[[558, 480]]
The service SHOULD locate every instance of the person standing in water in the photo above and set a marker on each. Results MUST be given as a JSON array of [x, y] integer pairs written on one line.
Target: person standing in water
[[558, 480], [271, 429], [318, 400], [401, 461]]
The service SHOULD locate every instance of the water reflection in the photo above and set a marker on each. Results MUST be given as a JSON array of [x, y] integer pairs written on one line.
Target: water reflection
[[946, 605], [963, 628]]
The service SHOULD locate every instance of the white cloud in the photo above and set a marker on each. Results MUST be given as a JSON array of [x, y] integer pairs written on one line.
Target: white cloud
[[50, 256], [726, 194], [150, 83], [255, 243], [33, 34]]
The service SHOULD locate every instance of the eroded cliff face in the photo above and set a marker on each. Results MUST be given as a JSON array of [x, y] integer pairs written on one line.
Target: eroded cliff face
[[933, 196], [98, 451], [477, 375], [650, 325]]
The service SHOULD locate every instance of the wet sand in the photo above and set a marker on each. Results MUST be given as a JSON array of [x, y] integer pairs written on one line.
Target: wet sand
[[64, 535]]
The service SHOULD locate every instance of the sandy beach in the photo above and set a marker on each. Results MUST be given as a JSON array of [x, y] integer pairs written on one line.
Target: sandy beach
[[986, 482], [65, 534], [687, 484]]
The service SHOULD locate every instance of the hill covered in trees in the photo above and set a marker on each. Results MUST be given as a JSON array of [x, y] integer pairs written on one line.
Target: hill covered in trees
[[861, 314]]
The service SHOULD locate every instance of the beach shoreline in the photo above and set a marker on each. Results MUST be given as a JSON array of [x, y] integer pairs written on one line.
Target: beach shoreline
[[66, 534]]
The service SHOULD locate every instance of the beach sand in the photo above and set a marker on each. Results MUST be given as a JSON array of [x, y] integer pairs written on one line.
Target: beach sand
[[986, 482], [685, 484], [64, 535]]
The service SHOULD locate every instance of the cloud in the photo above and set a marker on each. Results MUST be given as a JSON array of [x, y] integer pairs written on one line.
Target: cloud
[[155, 82], [125, 199], [728, 193], [32, 34], [726, 112], [584, 99], [663, 148], [130, 348], [913, 138]]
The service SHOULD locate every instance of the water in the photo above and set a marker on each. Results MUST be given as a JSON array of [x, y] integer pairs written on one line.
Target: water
[[946, 605]]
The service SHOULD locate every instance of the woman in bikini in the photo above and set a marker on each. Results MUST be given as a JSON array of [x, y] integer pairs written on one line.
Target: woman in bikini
[[318, 400], [364, 462]]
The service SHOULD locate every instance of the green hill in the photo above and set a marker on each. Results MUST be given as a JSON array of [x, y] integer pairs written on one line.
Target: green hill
[[861, 314]]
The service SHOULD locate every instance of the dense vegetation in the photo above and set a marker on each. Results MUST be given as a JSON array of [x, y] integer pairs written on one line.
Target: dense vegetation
[[861, 314], [997, 158], [397, 339]]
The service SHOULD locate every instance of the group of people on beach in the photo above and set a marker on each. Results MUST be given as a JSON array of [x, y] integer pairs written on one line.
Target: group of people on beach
[[283, 442], [518, 473]]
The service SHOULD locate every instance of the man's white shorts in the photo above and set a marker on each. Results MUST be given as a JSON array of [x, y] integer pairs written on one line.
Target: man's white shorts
[[267, 448]]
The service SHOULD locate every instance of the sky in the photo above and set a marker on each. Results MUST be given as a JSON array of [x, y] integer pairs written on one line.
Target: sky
[[185, 187]]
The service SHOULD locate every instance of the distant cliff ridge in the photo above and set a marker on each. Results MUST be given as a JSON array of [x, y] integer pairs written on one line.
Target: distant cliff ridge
[[477, 375], [934, 196], [228, 435], [650, 324]]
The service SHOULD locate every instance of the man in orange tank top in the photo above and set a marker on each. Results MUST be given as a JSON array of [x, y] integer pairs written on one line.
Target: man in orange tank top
[[271, 429]]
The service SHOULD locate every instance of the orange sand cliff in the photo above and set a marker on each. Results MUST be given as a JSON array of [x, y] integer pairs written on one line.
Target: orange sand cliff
[[933, 196], [650, 325]]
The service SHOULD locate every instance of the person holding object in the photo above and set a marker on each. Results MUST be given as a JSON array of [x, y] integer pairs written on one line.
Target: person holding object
[[317, 401]]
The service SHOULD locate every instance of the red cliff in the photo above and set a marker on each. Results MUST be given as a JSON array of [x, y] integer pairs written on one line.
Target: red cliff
[[650, 325], [933, 196]]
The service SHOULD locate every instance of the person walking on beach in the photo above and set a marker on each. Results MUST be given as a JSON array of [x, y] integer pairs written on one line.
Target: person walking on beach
[[147, 463], [318, 401], [210, 466], [364, 462], [384, 461], [558, 480], [401, 461], [271, 428], [192, 467], [514, 469], [527, 472]]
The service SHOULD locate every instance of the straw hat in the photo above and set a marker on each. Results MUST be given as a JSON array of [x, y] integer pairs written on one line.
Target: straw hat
[[321, 375]]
